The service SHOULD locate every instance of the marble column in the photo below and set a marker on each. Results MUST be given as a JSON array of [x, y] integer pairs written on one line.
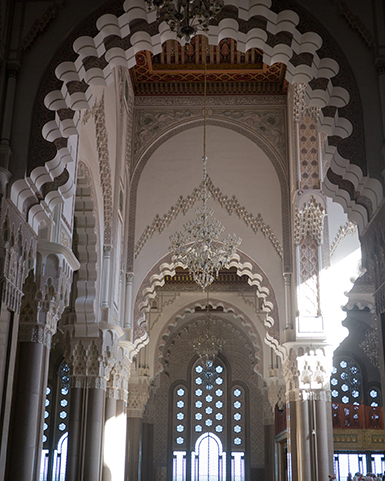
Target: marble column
[[114, 440], [26, 422], [75, 434], [93, 434], [304, 458], [134, 448], [269, 431], [147, 451]]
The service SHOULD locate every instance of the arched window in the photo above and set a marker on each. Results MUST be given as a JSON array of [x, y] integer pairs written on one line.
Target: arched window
[[346, 382], [55, 428], [208, 427]]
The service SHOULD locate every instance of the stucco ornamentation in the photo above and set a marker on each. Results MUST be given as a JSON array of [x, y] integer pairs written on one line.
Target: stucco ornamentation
[[231, 204]]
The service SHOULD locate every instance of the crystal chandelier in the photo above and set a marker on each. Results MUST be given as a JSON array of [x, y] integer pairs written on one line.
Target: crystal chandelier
[[207, 346], [198, 247], [187, 17]]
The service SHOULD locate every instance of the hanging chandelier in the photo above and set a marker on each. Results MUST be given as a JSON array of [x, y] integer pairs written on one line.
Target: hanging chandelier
[[187, 17], [207, 346], [199, 247]]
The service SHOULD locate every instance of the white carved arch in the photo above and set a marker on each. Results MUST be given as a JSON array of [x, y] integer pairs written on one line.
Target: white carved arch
[[178, 322], [244, 265], [78, 79]]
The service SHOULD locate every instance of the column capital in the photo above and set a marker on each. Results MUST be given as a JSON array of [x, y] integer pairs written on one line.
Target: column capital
[[90, 363], [308, 370], [117, 385], [46, 292], [138, 393]]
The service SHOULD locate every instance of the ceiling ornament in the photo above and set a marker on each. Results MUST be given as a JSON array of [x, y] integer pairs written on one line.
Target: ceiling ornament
[[198, 247], [186, 18]]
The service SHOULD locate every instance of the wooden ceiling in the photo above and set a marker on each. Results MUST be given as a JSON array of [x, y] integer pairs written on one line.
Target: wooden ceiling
[[179, 70]]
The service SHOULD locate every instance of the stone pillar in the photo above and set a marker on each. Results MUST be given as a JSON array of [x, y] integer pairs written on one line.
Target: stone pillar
[[275, 397], [26, 424], [147, 450], [75, 434], [90, 361], [134, 448], [46, 294], [137, 399], [310, 442], [115, 430]]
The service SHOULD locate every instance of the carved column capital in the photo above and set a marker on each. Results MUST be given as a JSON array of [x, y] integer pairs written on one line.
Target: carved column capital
[[138, 393], [46, 292], [117, 385], [90, 363], [307, 370]]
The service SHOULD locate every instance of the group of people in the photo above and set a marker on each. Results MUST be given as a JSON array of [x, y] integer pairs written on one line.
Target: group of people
[[368, 477]]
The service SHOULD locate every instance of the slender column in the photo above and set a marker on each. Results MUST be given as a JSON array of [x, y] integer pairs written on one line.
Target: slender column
[[292, 445], [303, 439], [128, 308], [106, 276]]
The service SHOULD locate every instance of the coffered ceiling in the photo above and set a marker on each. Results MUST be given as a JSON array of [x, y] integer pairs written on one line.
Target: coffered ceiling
[[179, 70]]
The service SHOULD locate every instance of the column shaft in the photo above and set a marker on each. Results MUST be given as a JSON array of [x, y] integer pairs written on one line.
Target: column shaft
[[75, 433], [292, 445], [134, 451], [323, 429], [269, 452], [26, 418], [303, 441], [114, 440], [93, 434]]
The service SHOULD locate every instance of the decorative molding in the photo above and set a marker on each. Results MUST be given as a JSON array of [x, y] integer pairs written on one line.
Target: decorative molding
[[300, 107], [231, 205], [309, 219], [40, 25], [151, 124], [230, 100], [359, 439], [343, 231], [355, 22]]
